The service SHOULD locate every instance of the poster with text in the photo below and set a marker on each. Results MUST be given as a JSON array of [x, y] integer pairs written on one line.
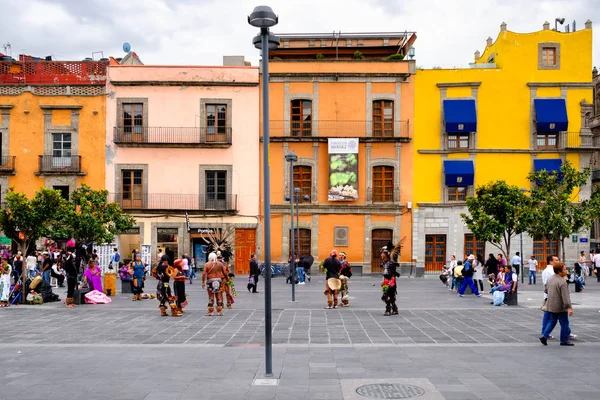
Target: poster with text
[[343, 169]]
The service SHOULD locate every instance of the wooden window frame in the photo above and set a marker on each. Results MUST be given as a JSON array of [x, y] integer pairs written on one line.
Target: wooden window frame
[[62, 142], [546, 249], [135, 122], [216, 120], [434, 262], [305, 241], [545, 139], [303, 180], [473, 246], [457, 141], [299, 124], [215, 194], [454, 193], [128, 197], [549, 58], [382, 184], [383, 127]]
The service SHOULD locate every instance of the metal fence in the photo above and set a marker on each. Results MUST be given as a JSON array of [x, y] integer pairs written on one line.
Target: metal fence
[[60, 165], [172, 135], [169, 201], [329, 128]]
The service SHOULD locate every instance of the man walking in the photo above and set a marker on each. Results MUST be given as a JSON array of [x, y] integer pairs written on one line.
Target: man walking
[[468, 272], [32, 265], [254, 273], [532, 269], [596, 262], [516, 263], [559, 306]]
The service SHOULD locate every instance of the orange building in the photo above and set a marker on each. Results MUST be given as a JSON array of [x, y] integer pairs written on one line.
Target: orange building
[[344, 105], [52, 124]]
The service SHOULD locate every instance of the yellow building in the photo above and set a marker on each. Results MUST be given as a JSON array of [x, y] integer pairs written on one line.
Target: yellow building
[[52, 124], [521, 106]]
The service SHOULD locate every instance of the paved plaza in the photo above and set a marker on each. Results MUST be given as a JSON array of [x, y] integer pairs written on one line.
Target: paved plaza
[[439, 347]]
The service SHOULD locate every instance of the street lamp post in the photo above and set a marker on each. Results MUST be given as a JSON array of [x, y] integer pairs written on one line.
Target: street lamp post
[[264, 18], [291, 157], [522, 255]]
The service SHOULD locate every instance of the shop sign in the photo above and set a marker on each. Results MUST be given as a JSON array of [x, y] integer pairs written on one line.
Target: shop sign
[[131, 231], [205, 231], [167, 231]]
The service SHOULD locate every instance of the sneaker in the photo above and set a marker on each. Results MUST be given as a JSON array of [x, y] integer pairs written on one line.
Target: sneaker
[[479, 295], [461, 295], [300, 283], [567, 344], [571, 336]]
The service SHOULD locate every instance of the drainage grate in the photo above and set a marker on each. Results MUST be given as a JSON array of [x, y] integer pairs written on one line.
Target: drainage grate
[[390, 391]]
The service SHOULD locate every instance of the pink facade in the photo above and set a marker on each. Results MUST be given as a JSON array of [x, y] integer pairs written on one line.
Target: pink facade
[[183, 139]]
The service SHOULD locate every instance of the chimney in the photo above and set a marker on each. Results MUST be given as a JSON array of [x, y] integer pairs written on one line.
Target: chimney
[[503, 27], [234, 61], [477, 55], [588, 24], [546, 26], [489, 41]]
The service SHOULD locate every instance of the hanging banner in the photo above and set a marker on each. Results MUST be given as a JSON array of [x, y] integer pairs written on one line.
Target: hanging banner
[[343, 169], [146, 254], [105, 252]]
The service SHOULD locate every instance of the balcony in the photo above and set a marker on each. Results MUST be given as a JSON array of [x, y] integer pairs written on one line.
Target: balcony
[[7, 165], [320, 130], [175, 202], [138, 136], [50, 165], [38, 72], [387, 198], [575, 140]]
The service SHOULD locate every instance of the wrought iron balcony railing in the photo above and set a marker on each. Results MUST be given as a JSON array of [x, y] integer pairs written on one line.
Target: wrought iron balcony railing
[[169, 201], [329, 128], [183, 136], [7, 164], [575, 140], [59, 165]]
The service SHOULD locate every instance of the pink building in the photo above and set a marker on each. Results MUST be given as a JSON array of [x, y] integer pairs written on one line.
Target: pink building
[[184, 139]]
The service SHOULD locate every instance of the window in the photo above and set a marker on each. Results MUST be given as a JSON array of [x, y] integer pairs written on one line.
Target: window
[[457, 193], [305, 241], [132, 191], [216, 186], [303, 180], [546, 141], [383, 184], [383, 118], [543, 248], [458, 141], [549, 56], [133, 118], [473, 246], [301, 124], [216, 118], [64, 191], [61, 145]]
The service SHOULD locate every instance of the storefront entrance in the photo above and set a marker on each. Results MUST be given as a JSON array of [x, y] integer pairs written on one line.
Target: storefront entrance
[[129, 241], [245, 245], [167, 239]]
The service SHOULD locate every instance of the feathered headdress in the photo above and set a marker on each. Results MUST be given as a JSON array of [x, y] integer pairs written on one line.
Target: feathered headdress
[[394, 251], [221, 241]]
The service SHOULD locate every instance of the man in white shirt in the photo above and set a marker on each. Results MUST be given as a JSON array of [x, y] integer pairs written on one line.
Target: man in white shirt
[[596, 261], [547, 274], [532, 269], [32, 265], [516, 263]]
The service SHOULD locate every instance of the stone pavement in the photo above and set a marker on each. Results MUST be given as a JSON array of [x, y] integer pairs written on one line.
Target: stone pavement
[[440, 346]]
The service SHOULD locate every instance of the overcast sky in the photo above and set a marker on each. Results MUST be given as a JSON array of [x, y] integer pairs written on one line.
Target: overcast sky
[[202, 31]]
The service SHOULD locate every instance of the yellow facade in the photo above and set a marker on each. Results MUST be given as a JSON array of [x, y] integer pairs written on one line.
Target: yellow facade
[[503, 81]]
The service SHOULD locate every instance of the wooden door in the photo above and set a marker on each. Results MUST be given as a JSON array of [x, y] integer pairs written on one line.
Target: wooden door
[[245, 245], [435, 253], [379, 239]]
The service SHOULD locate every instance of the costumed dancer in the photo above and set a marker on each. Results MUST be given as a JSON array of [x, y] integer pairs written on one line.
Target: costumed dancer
[[5, 272], [331, 267], [389, 284], [229, 288], [214, 277], [179, 285], [163, 290], [137, 277], [345, 275]]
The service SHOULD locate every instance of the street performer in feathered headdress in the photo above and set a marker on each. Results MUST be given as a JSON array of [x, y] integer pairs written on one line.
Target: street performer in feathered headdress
[[214, 278], [164, 273]]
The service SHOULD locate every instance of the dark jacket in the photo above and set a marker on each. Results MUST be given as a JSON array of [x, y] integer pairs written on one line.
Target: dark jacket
[[69, 266], [333, 266], [254, 270], [491, 266]]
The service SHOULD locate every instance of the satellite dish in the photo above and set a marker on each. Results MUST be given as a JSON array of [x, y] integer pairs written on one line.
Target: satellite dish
[[126, 47]]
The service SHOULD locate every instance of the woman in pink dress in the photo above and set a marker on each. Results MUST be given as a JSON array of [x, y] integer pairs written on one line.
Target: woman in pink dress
[[93, 276]]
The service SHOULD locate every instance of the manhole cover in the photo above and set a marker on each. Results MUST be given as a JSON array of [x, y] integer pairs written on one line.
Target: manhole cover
[[390, 391]]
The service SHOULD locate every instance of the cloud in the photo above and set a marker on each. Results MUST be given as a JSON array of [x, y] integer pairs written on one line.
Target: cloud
[[202, 31]]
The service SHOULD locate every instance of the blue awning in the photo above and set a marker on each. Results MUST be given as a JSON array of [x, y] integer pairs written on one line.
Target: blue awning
[[551, 115], [548, 164], [460, 116], [459, 172]]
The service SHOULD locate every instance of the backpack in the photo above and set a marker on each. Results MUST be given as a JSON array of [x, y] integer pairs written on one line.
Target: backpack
[[117, 257]]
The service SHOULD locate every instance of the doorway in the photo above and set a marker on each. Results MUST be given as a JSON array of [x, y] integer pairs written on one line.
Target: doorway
[[379, 238], [435, 253], [245, 244]]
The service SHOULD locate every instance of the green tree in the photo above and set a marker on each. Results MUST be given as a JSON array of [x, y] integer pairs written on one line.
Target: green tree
[[497, 213], [25, 220], [556, 213], [89, 217]]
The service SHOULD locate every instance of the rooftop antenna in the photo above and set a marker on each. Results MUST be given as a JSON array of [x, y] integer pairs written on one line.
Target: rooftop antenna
[[558, 21], [7, 49], [126, 47], [574, 26]]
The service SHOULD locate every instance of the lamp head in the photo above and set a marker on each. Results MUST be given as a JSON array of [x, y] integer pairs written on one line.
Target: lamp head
[[296, 190], [306, 198], [291, 156], [287, 198], [411, 52], [273, 41], [560, 20], [263, 17]]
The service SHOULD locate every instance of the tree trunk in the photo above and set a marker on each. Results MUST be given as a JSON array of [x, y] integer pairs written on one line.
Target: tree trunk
[[561, 243]]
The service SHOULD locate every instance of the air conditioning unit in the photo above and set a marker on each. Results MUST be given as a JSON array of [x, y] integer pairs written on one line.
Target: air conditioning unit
[[340, 236]]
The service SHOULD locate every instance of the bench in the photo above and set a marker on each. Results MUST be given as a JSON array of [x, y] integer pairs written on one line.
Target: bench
[[126, 286], [511, 299], [79, 295]]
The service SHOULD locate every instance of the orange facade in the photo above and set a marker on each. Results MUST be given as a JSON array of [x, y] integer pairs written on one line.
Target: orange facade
[[312, 101]]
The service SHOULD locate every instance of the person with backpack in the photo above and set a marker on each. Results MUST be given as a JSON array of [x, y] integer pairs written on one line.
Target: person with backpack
[[115, 258], [468, 272]]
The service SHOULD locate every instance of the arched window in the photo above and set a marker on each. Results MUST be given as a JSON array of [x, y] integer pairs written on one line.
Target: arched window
[[383, 118], [301, 123]]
